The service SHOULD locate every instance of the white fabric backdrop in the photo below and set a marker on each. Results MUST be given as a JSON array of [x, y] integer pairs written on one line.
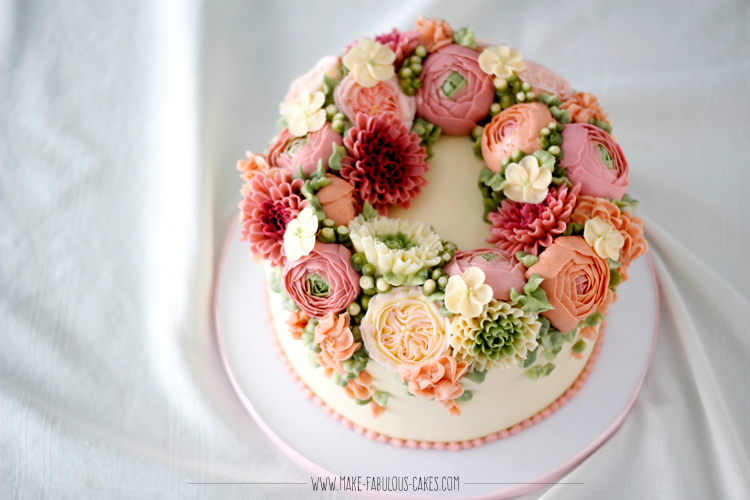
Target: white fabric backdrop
[[120, 125]]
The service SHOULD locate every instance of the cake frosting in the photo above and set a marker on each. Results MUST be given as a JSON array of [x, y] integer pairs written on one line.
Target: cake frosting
[[444, 225]]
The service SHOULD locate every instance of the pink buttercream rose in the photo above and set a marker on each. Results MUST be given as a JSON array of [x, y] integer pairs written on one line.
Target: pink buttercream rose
[[468, 104], [437, 378], [433, 33], [401, 329], [287, 152], [339, 200], [323, 281], [576, 281], [312, 80], [336, 342], [544, 80], [384, 98], [518, 127], [592, 158], [501, 272]]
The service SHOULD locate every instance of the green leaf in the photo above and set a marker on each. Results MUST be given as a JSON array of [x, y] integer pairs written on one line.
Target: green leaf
[[299, 174], [533, 283], [362, 402], [415, 280], [368, 212], [465, 37], [282, 123], [579, 346], [435, 296], [530, 358], [274, 280], [313, 359], [328, 85], [476, 376], [339, 152], [537, 302], [287, 303], [627, 203], [466, 396], [380, 397], [546, 160], [526, 259]]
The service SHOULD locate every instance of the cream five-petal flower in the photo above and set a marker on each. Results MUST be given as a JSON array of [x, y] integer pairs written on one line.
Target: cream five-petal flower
[[501, 61], [370, 62], [603, 238], [526, 181], [467, 295], [299, 236], [306, 114]]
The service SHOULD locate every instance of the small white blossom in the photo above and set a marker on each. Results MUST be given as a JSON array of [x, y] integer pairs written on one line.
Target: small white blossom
[[370, 62], [468, 294], [603, 238], [501, 61], [527, 182], [306, 114], [299, 236]]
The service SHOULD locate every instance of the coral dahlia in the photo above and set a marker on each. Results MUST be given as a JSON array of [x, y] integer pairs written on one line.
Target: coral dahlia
[[526, 227], [271, 202], [385, 162]]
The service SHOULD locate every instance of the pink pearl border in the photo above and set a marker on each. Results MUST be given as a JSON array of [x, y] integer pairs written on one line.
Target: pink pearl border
[[440, 445]]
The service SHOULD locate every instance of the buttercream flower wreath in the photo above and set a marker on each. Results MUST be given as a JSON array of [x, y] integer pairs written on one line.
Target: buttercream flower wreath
[[356, 134]]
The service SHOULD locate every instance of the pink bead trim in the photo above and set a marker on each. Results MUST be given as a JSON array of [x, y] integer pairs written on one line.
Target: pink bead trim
[[453, 445]]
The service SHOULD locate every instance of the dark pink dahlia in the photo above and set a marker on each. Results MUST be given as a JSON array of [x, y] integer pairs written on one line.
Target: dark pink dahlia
[[385, 162], [271, 202], [526, 227]]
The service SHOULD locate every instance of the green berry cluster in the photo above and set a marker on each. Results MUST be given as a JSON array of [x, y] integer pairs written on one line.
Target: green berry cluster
[[410, 70], [510, 91], [554, 102], [330, 233], [428, 133]]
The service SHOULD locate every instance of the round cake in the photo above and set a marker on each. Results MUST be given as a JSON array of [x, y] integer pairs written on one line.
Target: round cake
[[444, 225]]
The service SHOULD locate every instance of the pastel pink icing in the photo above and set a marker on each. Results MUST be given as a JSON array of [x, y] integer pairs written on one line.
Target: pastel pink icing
[[501, 272], [582, 161], [331, 262], [518, 127], [384, 98], [319, 147], [460, 113], [544, 80]]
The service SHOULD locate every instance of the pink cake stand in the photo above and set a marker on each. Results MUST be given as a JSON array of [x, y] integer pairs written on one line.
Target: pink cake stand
[[520, 464]]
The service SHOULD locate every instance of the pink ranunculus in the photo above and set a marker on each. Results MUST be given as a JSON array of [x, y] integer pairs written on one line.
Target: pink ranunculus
[[433, 33], [384, 98], [339, 200], [312, 80], [287, 152], [437, 378], [323, 281], [544, 80], [576, 281], [470, 102], [501, 272], [592, 158], [518, 127]]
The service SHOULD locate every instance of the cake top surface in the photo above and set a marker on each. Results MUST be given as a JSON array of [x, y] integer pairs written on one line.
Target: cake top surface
[[442, 206]]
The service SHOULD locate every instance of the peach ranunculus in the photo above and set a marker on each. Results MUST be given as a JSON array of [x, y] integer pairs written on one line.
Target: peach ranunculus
[[287, 152], [297, 323], [593, 159], [361, 388], [433, 33], [339, 200], [518, 127], [629, 226], [454, 69], [582, 107], [437, 378], [576, 281], [386, 97], [336, 341], [254, 165], [312, 80], [544, 80], [402, 329]]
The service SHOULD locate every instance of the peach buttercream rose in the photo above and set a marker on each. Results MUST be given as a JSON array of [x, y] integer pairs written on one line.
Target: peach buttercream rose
[[629, 226], [594, 160], [433, 34], [544, 80], [454, 69], [384, 98], [437, 378], [582, 107], [576, 281], [339, 200], [401, 329], [287, 152], [312, 80], [336, 342], [518, 127]]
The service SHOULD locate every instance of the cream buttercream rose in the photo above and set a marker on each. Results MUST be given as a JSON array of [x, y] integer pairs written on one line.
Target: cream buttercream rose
[[401, 329]]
